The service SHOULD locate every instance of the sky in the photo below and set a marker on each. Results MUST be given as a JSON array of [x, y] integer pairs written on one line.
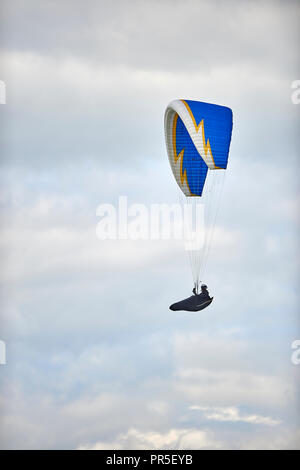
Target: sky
[[94, 357]]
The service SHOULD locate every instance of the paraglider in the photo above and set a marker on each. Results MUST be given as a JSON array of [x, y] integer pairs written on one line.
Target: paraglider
[[191, 304], [198, 138], [194, 303]]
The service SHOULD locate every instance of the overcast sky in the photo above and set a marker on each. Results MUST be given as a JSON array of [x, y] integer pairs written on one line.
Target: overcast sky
[[95, 359]]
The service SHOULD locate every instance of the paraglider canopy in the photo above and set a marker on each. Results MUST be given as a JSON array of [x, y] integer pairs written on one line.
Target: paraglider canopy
[[197, 138]]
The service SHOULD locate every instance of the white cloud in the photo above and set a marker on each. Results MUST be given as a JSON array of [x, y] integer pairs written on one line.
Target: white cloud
[[232, 414], [185, 439], [92, 347], [208, 363]]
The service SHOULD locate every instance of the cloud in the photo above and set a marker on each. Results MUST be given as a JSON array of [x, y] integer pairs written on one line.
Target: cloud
[[92, 349], [143, 34], [174, 439], [233, 415]]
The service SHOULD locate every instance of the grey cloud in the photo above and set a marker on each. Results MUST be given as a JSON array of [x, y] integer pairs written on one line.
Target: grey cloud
[[161, 35], [92, 349], [70, 98]]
